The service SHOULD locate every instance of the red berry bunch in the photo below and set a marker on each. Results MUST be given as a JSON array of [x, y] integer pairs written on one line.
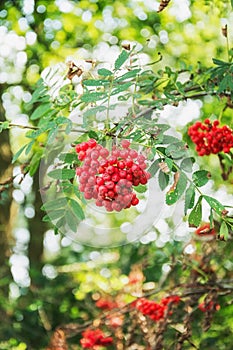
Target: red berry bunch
[[109, 177], [210, 138], [106, 304], [155, 310], [94, 339]]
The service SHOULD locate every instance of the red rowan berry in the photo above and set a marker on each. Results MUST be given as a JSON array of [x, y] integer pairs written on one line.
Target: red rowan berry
[[109, 177]]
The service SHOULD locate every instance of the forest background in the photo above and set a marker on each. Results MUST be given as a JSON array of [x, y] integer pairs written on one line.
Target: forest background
[[51, 281]]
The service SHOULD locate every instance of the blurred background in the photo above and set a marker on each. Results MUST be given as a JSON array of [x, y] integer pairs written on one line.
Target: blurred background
[[47, 279]]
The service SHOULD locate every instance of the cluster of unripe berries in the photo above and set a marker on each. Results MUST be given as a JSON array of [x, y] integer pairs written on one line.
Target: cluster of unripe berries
[[210, 138], [156, 311], [109, 177]]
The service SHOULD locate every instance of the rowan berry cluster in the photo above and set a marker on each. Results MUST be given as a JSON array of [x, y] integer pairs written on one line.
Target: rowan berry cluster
[[106, 304], [94, 339], [210, 138], [156, 311], [109, 177], [116, 319]]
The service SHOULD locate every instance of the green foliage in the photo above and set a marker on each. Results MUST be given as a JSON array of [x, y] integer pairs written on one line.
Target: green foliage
[[195, 216], [174, 195], [200, 178], [121, 101]]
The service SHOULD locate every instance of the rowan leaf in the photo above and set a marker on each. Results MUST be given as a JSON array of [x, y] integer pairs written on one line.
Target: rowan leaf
[[195, 216], [62, 174], [163, 180], [215, 204], [40, 111], [124, 55], [104, 72], [77, 209], [201, 177], [177, 189], [224, 231], [189, 198]]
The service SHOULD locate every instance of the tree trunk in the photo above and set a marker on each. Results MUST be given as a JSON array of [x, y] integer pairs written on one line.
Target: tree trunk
[[37, 229], [5, 205]]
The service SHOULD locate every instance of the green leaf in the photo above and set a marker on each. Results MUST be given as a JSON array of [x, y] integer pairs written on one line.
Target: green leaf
[[62, 174], [169, 163], [214, 204], [167, 139], [40, 111], [121, 88], [4, 125], [104, 72], [128, 75], [187, 164], [124, 55], [232, 3], [200, 177], [224, 231], [163, 128], [52, 134], [68, 158], [71, 220], [93, 82], [93, 96], [18, 153], [219, 62], [189, 198], [93, 135], [176, 150], [61, 222], [55, 204], [41, 90], [140, 188], [35, 162], [173, 196], [226, 83], [93, 111], [53, 215], [154, 167], [211, 218], [195, 216], [29, 147], [77, 209], [163, 180]]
